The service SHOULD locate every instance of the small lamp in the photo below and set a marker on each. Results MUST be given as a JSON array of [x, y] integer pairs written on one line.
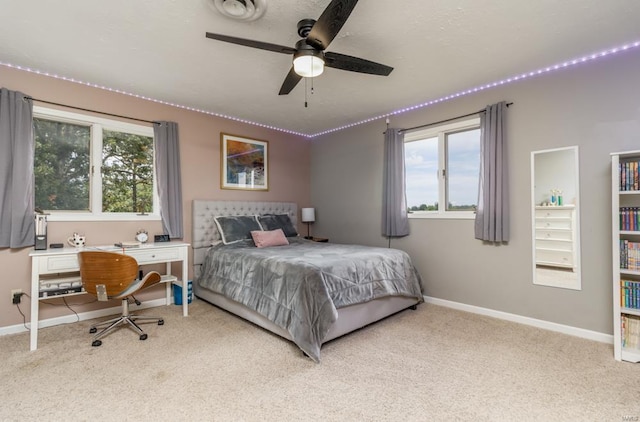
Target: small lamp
[[308, 216]]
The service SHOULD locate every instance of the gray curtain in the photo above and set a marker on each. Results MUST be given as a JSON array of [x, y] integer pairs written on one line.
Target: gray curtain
[[17, 150], [395, 222], [167, 152], [492, 217]]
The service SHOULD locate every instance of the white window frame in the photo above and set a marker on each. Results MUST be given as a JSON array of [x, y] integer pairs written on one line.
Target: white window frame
[[440, 132], [97, 125]]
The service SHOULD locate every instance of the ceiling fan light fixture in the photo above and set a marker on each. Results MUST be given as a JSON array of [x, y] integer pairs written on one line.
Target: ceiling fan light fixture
[[309, 58], [308, 63]]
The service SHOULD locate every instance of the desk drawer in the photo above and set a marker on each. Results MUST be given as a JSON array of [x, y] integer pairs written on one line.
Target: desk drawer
[[59, 264], [157, 255]]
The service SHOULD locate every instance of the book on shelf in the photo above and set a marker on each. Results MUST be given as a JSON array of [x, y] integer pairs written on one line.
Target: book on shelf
[[630, 218], [629, 255], [630, 331], [630, 294], [629, 176], [623, 254]]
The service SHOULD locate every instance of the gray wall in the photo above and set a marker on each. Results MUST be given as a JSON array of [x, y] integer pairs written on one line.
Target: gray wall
[[595, 105]]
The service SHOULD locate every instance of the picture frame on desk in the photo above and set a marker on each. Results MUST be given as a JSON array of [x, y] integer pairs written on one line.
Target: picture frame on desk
[[158, 238]]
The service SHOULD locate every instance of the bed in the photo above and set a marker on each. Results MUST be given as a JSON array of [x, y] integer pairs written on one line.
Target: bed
[[305, 291]]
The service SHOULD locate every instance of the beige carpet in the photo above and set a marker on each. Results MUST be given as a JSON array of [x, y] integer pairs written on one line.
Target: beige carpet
[[432, 364]]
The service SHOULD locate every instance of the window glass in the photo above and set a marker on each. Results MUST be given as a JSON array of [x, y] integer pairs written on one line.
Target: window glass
[[89, 168], [442, 165], [421, 172], [61, 166], [463, 168], [127, 172]]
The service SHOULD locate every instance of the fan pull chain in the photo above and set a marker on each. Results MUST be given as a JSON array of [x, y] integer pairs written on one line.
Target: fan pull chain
[[306, 104]]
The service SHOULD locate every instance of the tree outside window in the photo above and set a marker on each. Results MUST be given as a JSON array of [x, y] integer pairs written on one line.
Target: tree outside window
[[127, 173], [93, 168]]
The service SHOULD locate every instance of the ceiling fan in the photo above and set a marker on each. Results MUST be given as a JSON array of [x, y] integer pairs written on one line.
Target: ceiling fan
[[309, 57]]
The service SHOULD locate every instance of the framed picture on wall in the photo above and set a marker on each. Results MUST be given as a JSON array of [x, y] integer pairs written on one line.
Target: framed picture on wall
[[244, 163]]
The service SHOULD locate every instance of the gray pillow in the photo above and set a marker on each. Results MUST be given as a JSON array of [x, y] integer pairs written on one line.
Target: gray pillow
[[278, 221], [237, 228]]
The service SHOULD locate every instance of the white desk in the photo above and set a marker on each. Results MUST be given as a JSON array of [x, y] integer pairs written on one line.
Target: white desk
[[63, 263]]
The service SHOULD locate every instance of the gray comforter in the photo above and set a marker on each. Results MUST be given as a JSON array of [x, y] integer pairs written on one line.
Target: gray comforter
[[300, 286]]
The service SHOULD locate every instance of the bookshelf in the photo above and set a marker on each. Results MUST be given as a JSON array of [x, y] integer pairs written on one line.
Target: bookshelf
[[625, 213]]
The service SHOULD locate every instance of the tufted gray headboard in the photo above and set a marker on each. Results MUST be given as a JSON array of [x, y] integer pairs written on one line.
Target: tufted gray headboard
[[205, 233]]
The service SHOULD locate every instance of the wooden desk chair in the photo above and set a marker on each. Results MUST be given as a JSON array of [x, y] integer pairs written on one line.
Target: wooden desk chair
[[111, 275]]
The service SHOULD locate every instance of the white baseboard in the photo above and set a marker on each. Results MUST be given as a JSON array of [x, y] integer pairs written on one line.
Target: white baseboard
[[552, 326], [20, 328]]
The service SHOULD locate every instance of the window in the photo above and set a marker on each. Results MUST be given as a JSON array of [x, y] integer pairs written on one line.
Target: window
[[89, 168], [442, 167]]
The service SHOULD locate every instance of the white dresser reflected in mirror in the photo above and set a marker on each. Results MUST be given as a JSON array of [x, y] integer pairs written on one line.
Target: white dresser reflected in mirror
[[555, 218]]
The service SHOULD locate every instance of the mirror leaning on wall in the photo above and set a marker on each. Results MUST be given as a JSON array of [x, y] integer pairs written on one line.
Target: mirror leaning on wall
[[556, 217]]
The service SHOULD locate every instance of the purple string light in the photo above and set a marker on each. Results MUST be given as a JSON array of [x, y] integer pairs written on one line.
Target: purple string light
[[526, 75]]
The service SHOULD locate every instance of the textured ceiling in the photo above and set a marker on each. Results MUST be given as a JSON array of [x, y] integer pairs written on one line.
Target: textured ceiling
[[158, 49]]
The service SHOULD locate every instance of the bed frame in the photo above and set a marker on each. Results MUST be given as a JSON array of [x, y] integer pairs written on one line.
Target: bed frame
[[205, 234]]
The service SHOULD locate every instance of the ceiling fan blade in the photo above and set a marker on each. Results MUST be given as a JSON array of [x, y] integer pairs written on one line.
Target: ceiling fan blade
[[355, 64], [329, 23], [290, 82], [252, 43]]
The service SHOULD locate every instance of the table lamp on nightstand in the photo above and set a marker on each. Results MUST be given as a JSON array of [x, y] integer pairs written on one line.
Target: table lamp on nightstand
[[308, 216]]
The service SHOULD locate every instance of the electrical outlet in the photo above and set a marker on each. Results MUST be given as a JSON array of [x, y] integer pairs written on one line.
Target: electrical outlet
[[16, 294]]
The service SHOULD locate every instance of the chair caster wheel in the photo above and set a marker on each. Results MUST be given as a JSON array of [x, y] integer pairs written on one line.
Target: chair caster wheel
[[161, 322], [93, 330], [96, 343], [143, 337]]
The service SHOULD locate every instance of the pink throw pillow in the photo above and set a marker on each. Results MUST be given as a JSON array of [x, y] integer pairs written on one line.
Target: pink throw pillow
[[263, 239]]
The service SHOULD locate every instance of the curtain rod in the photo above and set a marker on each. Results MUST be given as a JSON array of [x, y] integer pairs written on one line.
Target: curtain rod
[[89, 110], [446, 120]]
